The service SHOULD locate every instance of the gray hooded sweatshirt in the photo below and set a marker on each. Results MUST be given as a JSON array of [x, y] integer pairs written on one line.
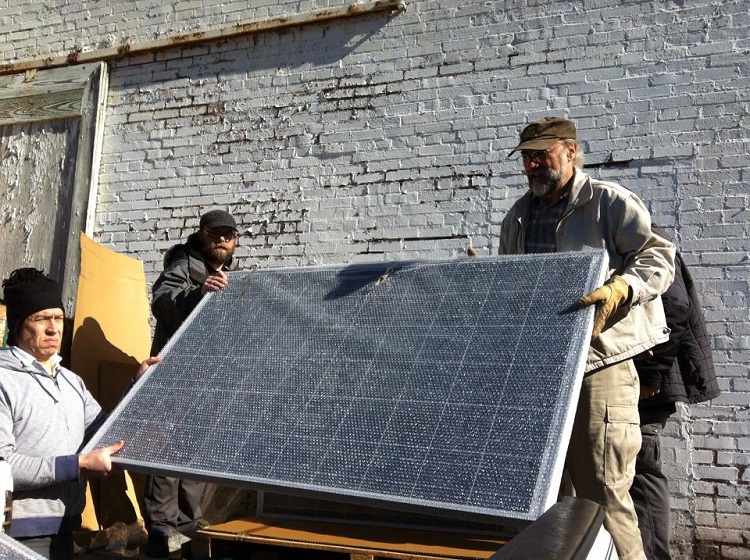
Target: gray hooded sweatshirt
[[43, 424]]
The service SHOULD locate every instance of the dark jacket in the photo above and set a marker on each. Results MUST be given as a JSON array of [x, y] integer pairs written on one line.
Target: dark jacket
[[177, 291], [682, 367]]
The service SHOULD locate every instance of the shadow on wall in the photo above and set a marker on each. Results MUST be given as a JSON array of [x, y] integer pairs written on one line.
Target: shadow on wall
[[313, 45]]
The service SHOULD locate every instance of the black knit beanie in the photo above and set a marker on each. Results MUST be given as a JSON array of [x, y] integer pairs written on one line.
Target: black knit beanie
[[26, 291]]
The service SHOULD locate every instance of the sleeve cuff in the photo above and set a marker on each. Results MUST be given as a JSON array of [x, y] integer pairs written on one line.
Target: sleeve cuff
[[66, 468], [635, 285]]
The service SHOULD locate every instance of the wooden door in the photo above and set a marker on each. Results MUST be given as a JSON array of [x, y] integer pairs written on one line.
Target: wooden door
[[50, 135]]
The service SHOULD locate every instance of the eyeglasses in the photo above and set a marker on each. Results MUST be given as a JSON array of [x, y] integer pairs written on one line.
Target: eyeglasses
[[216, 234], [536, 155]]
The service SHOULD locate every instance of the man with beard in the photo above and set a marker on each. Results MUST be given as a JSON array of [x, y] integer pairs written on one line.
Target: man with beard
[[566, 210], [191, 270]]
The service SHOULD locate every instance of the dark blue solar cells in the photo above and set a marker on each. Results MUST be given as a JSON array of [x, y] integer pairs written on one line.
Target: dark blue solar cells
[[438, 386]]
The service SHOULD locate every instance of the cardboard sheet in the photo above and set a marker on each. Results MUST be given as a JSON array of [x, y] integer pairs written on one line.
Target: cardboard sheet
[[112, 315], [2, 326], [112, 336]]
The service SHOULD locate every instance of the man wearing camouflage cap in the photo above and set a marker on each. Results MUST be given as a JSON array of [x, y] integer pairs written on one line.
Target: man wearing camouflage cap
[[567, 210]]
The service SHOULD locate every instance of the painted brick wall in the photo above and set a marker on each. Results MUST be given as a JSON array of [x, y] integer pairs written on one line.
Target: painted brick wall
[[377, 138]]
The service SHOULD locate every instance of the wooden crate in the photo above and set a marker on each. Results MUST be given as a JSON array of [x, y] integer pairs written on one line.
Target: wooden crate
[[359, 542]]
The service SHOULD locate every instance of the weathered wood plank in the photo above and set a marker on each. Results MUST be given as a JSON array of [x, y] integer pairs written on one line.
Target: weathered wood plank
[[49, 144], [33, 82], [42, 107]]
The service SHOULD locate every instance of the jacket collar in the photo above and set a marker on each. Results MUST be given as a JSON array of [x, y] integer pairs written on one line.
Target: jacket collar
[[30, 362], [580, 191]]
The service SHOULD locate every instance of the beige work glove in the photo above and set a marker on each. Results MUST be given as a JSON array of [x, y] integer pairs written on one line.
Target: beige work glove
[[607, 299]]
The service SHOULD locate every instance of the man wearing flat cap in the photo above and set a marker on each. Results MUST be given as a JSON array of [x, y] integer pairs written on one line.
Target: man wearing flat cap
[[567, 210], [191, 270], [46, 415]]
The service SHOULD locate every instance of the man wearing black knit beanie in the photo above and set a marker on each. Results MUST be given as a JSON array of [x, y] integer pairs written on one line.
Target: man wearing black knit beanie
[[45, 414]]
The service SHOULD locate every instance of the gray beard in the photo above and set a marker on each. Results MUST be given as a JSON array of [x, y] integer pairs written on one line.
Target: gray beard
[[541, 189]]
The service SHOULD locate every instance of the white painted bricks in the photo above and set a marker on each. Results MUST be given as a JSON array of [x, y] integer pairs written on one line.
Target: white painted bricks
[[374, 138]]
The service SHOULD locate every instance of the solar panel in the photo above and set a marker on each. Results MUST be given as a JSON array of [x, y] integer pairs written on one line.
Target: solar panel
[[11, 549], [445, 387]]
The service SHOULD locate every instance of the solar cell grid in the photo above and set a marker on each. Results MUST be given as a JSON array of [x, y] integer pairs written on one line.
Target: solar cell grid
[[447, 387], [11, 549]]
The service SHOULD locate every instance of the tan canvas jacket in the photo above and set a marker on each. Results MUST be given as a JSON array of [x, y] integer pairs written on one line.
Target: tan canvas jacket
[[603, 215]]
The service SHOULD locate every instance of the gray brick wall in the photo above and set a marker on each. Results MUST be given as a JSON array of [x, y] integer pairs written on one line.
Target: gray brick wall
[[374, 138]]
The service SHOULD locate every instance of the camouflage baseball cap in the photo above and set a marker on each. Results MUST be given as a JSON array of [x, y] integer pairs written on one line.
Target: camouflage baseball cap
[[543, 133]]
